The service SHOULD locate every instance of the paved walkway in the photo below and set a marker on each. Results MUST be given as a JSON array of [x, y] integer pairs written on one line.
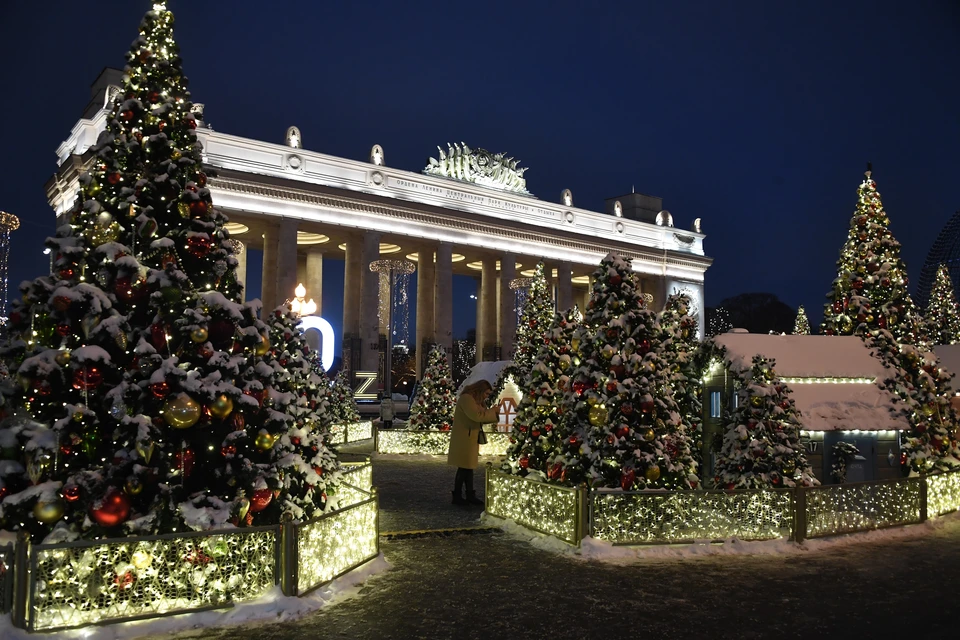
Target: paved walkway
[[494, 586]]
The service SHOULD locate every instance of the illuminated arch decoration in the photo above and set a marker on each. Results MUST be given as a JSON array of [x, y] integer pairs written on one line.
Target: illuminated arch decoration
[[316, 323]]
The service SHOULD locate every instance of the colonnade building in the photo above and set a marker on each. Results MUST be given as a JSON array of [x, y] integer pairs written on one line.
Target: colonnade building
[[468, 212]]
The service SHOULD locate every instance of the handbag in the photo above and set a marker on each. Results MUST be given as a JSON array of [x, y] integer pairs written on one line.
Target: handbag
[[481, 437]]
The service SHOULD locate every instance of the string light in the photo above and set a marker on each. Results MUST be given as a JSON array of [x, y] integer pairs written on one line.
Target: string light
[[434, 443], [547, 508], [8, 224]]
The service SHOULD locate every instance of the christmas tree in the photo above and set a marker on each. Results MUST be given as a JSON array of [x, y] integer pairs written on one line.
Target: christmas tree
[[300, 401], [943, 317], [343, 407], [435, 402], [870, 290], [679, 350], [761, 445], [924, 390], [536, 436], [535, 319], [802, 325], [622, 425], [136, 337]]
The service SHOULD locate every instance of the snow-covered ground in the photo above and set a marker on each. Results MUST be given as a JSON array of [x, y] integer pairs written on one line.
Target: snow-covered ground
[[272, 606]]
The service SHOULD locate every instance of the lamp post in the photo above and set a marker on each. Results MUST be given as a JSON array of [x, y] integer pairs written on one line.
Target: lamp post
[[300, 306], [389, 269]]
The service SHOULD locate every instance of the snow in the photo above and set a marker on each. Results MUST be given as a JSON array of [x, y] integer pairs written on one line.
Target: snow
[[824, 407], [810, 356], [488, 371], [949, 355], [271, 607], [599, 550]]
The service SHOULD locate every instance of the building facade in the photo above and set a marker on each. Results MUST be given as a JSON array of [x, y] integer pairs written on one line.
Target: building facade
[[467, 212]]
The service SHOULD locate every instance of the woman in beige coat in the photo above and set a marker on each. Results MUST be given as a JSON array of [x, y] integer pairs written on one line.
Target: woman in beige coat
[[468, 420]]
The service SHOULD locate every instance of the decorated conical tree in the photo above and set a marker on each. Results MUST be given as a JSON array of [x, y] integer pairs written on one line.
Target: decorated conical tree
[[801, 327], [761, 443], [434, 405], [870, 290], [535, 320], [679, 351], [537, 434], [342, 405], [136, 336], [924, 390], [307, 467], [943, 317], [623, 425]]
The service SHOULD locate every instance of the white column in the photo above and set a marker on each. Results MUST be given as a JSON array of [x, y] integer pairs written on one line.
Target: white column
[[314, 278], [487, 334], [443, 298], [352, 277], [268, 278], [241, 257], [508, 313], [370, 304], [286, 261], [426, 331], [564, 287]]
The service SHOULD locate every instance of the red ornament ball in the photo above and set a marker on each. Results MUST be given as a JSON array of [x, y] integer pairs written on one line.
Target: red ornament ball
[[113, 178], [260, 500], [160, 389], [61, 303], [616, 279], [87, 378], [228, 450], [199, 246], [114, 509], [646, 406], [524, 462], [644, 347], [184, 461], [71, 493], [63, 330], [627, 478]]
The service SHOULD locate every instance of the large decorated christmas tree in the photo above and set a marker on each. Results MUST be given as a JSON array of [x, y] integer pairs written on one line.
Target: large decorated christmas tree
[[434, 404], [761, 443], [870, 290], [679, 351], [535, 320], [622, 425], [141, 406], [537, 434], [943, 317]]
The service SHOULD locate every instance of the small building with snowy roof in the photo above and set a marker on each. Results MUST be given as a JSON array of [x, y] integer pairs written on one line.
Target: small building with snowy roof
[[834, 383]]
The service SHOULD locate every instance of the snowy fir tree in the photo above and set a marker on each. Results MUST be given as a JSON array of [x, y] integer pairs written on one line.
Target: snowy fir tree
[[943, 318], [343, 407], [801, 327], [679, 350], [136, 337], [924, 390], [299, 399], [435, 402], [870, 290], [537, 434], [761, 443], [622, 425], [535, 320]]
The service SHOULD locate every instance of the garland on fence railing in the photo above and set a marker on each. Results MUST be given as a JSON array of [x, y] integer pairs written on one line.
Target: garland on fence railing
[[842, 453]]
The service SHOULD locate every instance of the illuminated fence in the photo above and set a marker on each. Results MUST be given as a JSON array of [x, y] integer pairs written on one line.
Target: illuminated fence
[[943, 493], [547, 508], [329, 546], [76, 584], [667, 517], [351, 432], [358, 474], [632, 517], [861, 506], [433, 442]]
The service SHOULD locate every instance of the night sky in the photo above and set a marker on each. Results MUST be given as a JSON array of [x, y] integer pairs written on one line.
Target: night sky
[[757, 117]]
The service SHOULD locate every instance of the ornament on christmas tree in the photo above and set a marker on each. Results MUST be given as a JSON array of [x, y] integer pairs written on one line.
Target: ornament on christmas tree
[[200, 334], [112, 510], [260, 500], [221, 407], [181, 411], [598, 415], [48, 512]]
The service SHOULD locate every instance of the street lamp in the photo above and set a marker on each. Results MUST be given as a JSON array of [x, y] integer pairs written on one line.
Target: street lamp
[[301, 307]]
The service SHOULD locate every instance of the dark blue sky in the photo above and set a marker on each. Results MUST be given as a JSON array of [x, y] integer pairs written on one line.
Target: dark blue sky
[[756, 116]]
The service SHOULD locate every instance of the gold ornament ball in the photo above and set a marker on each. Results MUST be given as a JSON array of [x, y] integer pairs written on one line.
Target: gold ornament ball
[[608, 352], [63, 358], [133, 486], [221, 407], [756, 401], [564, 365], [181, 411], [141, 559], [264, 346], [199, 334], [652, 473], [598, 415], [592, 401], [264, 441], [184, 209], [48, 512], [575, 343], [789, 468], [649, 435], [544, 409]]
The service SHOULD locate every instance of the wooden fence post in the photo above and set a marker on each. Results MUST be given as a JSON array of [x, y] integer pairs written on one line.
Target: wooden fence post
[[289, 561], [21, 580], [799, 514], [923, 497]]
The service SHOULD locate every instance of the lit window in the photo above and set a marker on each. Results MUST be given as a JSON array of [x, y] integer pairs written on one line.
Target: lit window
[[714, 404]]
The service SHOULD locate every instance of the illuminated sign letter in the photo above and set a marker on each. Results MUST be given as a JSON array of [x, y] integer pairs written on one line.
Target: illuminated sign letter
[[320, 325]]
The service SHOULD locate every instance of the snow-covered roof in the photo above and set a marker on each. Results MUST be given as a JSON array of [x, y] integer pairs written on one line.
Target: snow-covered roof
[[805, 356], [949, 355], [826, 407]]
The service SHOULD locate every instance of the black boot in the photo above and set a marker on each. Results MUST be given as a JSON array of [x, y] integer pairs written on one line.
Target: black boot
[[458, 488], [472, 498], [458, 498]]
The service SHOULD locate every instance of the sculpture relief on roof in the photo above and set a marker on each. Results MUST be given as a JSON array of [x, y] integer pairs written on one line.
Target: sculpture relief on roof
[[478, 166]]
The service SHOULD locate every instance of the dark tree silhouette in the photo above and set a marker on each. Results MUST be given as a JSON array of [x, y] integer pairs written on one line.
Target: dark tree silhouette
[[760, 313]]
